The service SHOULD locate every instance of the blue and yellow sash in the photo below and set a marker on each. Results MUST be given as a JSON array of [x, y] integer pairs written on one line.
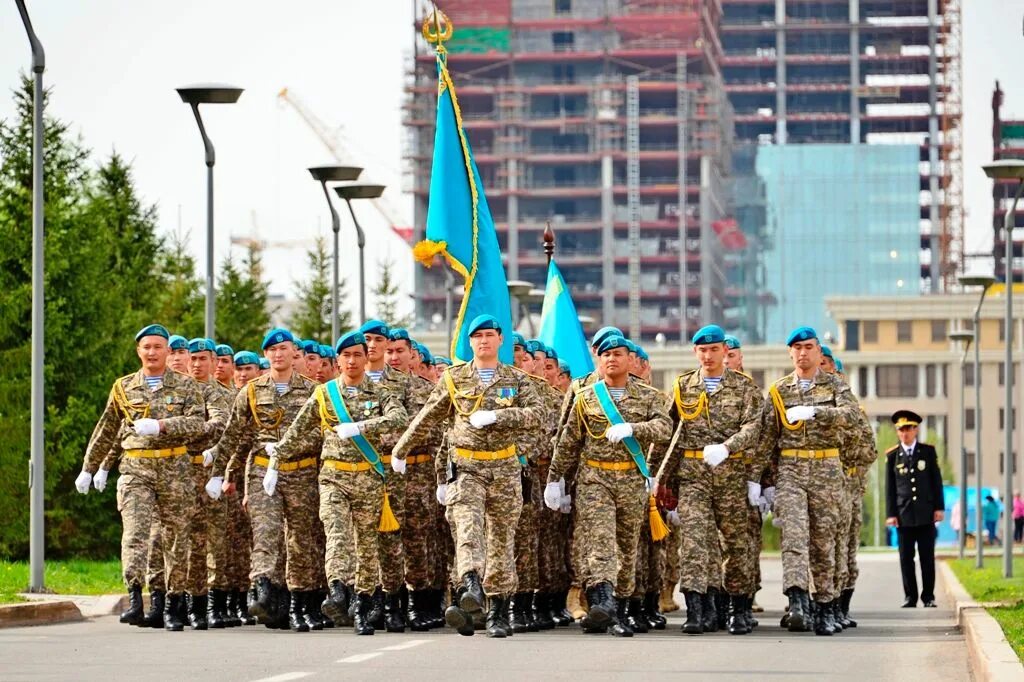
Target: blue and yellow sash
[[611, 412]]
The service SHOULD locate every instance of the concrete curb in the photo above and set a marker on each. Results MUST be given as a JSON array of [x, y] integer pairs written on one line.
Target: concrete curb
[[989, 655], [91, 606], [39, 613]]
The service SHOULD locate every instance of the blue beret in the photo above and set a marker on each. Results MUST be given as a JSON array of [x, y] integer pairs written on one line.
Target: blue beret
[[839, 364], [612, 341], [442, 360], [224, 349], [603, 333], [375, 327], [310, 346], [353, 338], [399, 334], [484, 322], [177, 342], [801, 334], [153, 330], [826, 351], [264, 363], [246, 357], [712, 333], [532, 346], [326, 352], [428, 358], [550, 352], [199, 345], [631, 346], [732, 342], [642, 353], [275, 336], [538, 346], [518, 340], [563, 367]]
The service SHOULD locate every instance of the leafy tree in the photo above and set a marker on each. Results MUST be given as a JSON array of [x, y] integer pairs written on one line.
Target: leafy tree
[[311, 318], [242, 293], [385, 296]]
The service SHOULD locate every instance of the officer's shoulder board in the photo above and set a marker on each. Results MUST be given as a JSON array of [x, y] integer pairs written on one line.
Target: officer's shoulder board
[[892, 451]]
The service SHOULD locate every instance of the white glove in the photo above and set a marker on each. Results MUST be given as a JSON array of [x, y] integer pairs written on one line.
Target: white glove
[[616, 432], [441, 494], [715, 454], [346, 430], [753, 492], [99, 481], [552, 496], [673, 518], [762, 505], [208, 458], [270, 481], [398, 465], [566, 506], [83, 481], [214, 487], [800, 413], [482, 418], [776, 522], [147, 427], [769, 495], [652, 485], [270, 449]]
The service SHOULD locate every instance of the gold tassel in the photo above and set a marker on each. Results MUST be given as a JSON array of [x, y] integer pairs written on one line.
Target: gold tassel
[[658, 528], [388, 522], [425, 251]]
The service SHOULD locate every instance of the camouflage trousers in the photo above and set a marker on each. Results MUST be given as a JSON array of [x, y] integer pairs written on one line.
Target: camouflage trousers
[[612, 510], [420, 525], [552, 528], [527, 538], [713, 509], [289, 513], [206, 520], [155, 578], [230, 544], [844, 517], [650, 563], [350, 506], [483, 507], [855, 486], [673, 545], [444, 556], [754, 527], [160, 489], [807, 499], [390, 545]]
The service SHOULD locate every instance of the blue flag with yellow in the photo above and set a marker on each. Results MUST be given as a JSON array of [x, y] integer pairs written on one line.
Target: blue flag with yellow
[[459, 224], [560, 327]]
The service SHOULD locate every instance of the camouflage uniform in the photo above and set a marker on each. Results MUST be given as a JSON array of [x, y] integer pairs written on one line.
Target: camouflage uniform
[[856, 467], [810, 477], [391, 546], [713, 500], [154, 470], [575, 546], [351, 492], [611, 495], [552, 525], [260, 416], [485, 498]]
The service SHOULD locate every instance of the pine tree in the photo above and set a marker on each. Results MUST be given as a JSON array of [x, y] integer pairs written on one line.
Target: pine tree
[[385, 296], [311, 318], [179, 304], [242, 293]]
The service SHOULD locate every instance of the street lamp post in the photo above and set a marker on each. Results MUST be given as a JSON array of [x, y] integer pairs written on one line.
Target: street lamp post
[[517, 288], [194, 95], [532, 297], [37, 464], [348, 193], [983, 281], [964, 338], [323, 175], [1008, 169]]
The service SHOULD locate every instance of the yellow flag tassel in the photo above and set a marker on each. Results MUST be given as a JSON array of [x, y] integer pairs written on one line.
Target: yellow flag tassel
[[425, 251], [388, 522], [658, 528]]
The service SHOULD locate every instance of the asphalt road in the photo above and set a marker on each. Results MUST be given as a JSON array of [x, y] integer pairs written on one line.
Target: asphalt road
[[890, 643]]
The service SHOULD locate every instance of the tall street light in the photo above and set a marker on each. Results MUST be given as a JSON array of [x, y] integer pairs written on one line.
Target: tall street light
[[517, 288], [964, 339], [348, 193], [194, 95], [983, 281], [1008, 169], [532, 297], [36, 471], [323, 175]]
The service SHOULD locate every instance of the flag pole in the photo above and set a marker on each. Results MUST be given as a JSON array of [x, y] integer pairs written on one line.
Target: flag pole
[[549, 243]]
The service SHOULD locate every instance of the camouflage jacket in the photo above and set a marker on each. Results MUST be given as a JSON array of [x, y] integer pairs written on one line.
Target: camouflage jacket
[[218, 407], [731, 415], [177, 403], [258, 416], [582, 437], [536, 443], [858, 451]]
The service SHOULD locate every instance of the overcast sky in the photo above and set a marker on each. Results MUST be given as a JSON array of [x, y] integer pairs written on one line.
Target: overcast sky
[[113, 66]]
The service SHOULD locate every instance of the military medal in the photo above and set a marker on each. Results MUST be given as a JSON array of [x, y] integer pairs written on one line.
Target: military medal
[[920, 465]]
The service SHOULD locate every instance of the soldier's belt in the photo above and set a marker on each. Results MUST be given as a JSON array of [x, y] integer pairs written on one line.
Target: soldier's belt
[[417, 459], [811, 454], [346, 466], [610, 466], [286, 466], [851, 471], [196, 459], [486, 455], [699, 454], [164, 452]]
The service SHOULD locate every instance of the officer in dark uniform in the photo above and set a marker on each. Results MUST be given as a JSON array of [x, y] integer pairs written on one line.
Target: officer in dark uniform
[[914, 504]]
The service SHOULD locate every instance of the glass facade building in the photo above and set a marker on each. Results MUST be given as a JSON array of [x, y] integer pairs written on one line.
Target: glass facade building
[[841, 219]]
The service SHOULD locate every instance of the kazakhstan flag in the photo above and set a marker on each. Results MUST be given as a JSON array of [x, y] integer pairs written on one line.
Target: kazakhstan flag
[[459, 224], [560, 327]]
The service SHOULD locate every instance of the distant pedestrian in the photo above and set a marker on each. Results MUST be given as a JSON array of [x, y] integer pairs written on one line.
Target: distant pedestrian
[[1018, 517], [990, 513]]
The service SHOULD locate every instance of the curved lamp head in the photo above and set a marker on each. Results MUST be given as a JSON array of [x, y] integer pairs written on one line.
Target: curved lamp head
[[335, 173], [1005, 169], [533, 296], [348, 192], [518, 288], [961, 337], [977, 281], [209, 93]]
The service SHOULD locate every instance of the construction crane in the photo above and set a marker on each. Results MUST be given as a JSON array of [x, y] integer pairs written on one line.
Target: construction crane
[[253, 241], [338, 145]]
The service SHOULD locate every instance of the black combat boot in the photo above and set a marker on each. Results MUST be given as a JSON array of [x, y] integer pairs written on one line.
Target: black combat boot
[[497, 618], [844, 604], [694, 624], [655, 619], [749, 602], [521, 602], [311, 610], [472, 594], [361, 622], [635, 617], [282, 601], [376, 613], [242, 600], [799, 617], [737, 624], [603, 609], [722, 608], [335, 606], [837, 615], [830, 616], [620, 625], [458, 618], [437, 607], [296, 616], [154, 618], [822, 625], [231, 619], [419, 619], [394, 615], [260, 608], [215, 609], [133, 615], [196, 610], [539, 611], [559, 613], [709, 615], [172, 613]]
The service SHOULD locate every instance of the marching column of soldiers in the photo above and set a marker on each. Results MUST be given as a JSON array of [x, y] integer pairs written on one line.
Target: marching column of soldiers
[[373, 485]]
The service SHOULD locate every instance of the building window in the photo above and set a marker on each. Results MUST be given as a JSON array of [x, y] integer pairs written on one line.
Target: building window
[[862, 382], [563, 6], [896, 381], [904, 331], [870, 331], [852, 337], [1002, 374], [938, 331], [969, 375], [1002, 462], [971, 466], [1002, 419], [929, 381], [969, 419], [1002, 330]]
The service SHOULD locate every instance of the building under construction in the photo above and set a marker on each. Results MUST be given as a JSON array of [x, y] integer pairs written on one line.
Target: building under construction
[[610, 120], [1007, 143]]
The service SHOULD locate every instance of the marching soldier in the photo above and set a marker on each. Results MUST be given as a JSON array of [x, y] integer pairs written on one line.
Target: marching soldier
[[177, 360], [225, 368], [247, 368]]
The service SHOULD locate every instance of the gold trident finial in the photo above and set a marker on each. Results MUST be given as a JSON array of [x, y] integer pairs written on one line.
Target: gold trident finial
[[437, 28]]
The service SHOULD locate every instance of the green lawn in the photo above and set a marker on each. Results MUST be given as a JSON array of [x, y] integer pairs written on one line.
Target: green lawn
[[62, 577], [988, 584], [1011, 619]]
